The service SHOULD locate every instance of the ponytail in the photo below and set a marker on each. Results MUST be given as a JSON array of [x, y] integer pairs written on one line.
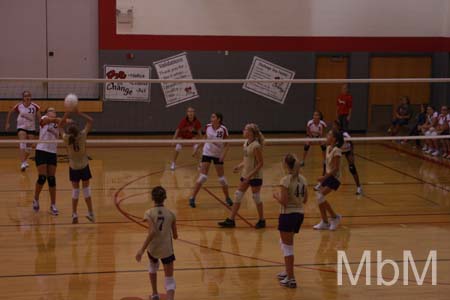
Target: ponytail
[[293, 164], [73, 133], [257, 133]]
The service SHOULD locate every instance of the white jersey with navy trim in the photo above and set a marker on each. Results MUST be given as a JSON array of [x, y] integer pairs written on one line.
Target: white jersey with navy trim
[[347, 146], [27, 116], [316, 130], [214, 149], [48, 132]]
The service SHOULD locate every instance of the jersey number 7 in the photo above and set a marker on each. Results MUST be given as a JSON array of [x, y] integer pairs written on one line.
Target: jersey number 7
[[160, 223]]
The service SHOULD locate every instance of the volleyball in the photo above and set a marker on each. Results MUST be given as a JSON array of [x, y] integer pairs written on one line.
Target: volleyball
[[71, 101]]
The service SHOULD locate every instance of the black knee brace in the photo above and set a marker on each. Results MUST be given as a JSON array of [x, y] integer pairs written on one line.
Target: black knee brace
[[352, 169], [323, 147], [306, 148], [51, 181], [41, 179]]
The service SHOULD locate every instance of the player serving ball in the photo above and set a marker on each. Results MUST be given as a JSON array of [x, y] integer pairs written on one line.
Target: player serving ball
[[213, 153], [27, 114], [75, 141], [158, 244], [188, 128], [251, 175]]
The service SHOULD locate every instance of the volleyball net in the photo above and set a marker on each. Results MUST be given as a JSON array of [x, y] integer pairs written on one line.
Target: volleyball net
[[383, 97]]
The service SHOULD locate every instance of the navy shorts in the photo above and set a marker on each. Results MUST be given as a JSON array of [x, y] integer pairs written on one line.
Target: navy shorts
[[210, 159], [290, 222], [166, 260], [331, 182], [77, 175], [254, 182], [45, 158], [33, 132]]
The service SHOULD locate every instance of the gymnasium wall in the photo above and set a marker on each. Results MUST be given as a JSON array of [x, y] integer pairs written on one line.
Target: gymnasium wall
[[323, 28], [286, 17]]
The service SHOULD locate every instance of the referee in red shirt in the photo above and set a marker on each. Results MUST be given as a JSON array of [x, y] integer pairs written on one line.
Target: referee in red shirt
[[344, 107], [188, 128]]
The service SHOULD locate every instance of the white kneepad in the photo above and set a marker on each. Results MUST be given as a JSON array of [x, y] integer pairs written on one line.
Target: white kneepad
[[257, 198], [75, 193], [288, 250], [223, 181], [238, 195], [178, 147], [170, 284], [202, 178], [87, 192], [23, 146], [153, 267], [320, 198]]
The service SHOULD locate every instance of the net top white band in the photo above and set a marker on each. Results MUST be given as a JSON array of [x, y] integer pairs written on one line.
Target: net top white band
[[230, 81], [231, 141]]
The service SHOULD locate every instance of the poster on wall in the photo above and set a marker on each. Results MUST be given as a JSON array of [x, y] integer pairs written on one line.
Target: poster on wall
[[263, 69], [127, 91], [176, 67]]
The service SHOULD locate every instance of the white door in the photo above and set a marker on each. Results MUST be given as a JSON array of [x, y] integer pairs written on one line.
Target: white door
[[72, 34], [23, 46]]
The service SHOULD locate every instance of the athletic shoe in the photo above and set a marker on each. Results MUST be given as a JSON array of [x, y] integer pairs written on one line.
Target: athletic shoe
[[229, 201], [302, 163], [429, 151], [334, 222], [53, 210], [91, 217], [289, 282], [359, 190], [261, 224], [74, 219], [435, 153], [322, 226], [192, 202], [228, 223], [317, 186], [282, 275], [172, 168], [35, 205], [425, 148], [23, 167], [154, 297]]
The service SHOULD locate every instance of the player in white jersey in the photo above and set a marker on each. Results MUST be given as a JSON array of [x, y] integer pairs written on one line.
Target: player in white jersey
[[251, 175], [28, 113], [428, 129], [347, 150], [46, 159], [330, 182], [315, 128], [213, 153], [292, 196]]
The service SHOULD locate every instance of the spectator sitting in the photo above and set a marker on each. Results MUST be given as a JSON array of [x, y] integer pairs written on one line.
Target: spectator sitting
[[441, 129], [420, 120], [428, 129], [402, 116]]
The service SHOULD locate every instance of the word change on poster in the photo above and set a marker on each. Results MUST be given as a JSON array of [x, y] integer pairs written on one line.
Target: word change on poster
[[127, 91]]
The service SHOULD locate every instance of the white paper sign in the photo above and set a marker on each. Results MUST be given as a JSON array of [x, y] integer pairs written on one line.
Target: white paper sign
[[176, 67], [263, 69], [127, 91]]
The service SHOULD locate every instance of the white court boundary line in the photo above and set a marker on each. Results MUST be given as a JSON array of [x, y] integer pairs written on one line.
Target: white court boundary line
[[229, 141], [229, 81]]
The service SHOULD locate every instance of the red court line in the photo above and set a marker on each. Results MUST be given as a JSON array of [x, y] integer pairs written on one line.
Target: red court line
[[416, 155], [226, 205], [401, 172]]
